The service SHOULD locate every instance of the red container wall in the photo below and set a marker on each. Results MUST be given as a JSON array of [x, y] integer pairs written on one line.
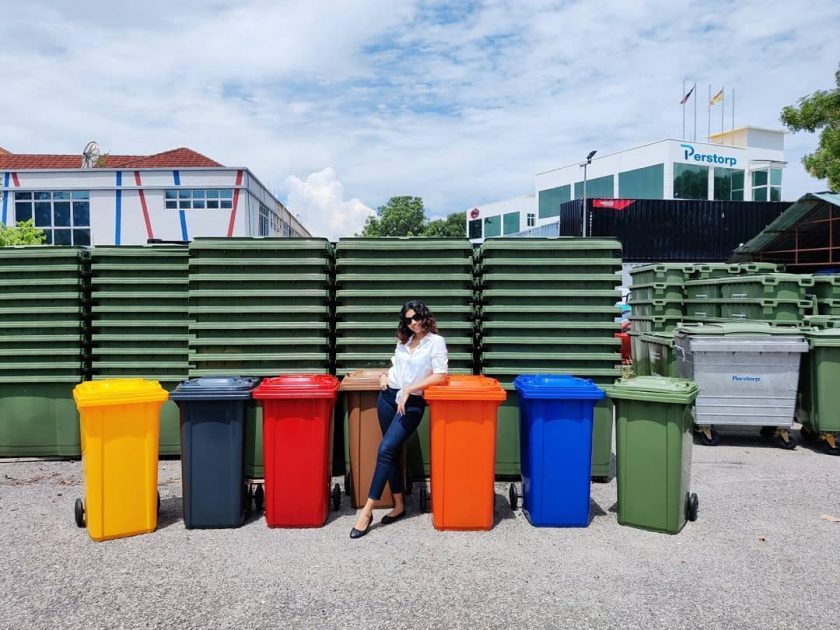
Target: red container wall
[[297, 448]]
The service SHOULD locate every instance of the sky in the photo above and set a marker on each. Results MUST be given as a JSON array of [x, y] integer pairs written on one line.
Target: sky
[[336, 106]]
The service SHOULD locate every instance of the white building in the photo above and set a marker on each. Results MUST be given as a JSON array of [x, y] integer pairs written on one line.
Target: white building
[[744, 164], [502, 217], [177, 195]]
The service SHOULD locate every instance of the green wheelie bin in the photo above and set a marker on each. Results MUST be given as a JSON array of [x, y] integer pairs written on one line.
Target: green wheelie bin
[[819, 377], [653, 452]]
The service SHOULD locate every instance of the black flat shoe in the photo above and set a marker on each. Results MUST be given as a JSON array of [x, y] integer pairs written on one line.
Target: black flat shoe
[[387, 520], [356, 533]]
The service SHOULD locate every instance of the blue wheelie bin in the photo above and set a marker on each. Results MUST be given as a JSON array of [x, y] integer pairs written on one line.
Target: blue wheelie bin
[[213, 450], [555, 416]]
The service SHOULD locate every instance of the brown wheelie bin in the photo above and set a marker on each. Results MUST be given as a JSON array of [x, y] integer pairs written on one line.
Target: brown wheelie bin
[[363, 435]]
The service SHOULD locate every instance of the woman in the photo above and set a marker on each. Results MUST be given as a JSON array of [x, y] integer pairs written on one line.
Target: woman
[[419, 361]]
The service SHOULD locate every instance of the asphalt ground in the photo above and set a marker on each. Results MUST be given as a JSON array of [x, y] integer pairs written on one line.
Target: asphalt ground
[[763, 554]]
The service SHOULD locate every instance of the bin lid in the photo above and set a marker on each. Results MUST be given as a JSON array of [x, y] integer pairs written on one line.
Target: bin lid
[[737, 328], [362, 380], [215, 388], [467, 387], [118, 391], [654, 389], [298, 386], [556, 386], [823, 338], [661, 339]]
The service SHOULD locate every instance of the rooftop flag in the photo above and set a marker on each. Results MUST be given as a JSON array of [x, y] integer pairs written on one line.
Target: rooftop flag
[[686, 97], [717, 98]]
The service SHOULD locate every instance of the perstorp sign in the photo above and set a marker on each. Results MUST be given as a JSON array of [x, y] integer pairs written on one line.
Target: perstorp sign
[[712, 158]]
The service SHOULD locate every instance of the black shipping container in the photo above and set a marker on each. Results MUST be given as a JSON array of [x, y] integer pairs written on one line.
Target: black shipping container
[[672, 230]]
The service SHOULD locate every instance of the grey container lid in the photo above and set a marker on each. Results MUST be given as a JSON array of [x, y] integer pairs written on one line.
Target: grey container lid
[[215, 388]]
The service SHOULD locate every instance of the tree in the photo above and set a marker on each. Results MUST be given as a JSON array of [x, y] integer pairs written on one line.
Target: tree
[[401, 216], [453, 226], [25, 233], [820, 110]]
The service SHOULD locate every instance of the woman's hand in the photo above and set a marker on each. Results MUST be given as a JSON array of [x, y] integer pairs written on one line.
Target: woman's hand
[[402, 397], [383, 381]]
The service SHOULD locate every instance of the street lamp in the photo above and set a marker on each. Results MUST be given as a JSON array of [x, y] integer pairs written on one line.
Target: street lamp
[[584, 165]]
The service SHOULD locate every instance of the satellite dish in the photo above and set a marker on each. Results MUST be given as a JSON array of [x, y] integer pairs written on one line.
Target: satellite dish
[[90, 154]]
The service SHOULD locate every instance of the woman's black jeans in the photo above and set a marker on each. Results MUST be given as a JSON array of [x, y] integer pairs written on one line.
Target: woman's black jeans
[[396, 429]]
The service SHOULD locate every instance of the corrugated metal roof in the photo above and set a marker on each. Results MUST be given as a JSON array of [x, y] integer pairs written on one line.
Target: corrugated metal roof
[[799, 211]]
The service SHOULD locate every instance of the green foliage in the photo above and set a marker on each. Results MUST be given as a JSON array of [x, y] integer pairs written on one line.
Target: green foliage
[[102, 160], [453, 226], [24, 234], [819, 111], [406, 216]]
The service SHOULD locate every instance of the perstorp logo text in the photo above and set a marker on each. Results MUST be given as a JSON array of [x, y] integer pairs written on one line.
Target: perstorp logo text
[[712, 158]]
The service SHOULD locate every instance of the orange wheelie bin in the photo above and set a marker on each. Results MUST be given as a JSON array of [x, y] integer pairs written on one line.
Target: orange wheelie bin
[[463, 430]]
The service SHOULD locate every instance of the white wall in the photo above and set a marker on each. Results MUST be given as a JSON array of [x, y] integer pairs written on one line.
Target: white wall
[[165, 224]]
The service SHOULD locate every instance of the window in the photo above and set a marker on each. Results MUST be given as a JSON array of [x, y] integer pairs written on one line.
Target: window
[[551, 199], [601, 187], [729, 184], [510, 222], [642, 183], [199, 199], [691, 182], [762, 188], [530, 219], [492, 226], [263, 221], [63, 215], [775, 184], [475, 228]]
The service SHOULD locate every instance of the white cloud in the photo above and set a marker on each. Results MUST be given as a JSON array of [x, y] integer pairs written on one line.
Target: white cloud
[[319, 200], [459, 103]]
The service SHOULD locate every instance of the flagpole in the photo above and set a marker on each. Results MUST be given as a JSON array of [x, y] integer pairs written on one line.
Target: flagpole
[[722, 106], [695, 111], [709, 111], [682, 104], [733, 109]]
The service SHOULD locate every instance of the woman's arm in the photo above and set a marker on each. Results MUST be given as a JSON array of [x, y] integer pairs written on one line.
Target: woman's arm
[[423, 383]]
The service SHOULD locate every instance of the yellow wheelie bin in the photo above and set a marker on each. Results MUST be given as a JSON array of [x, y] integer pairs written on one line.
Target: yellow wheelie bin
[[120, 427]]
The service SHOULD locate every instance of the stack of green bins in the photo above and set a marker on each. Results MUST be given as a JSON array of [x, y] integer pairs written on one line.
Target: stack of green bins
[[259, 307], [657, 306], [139, 321], [374, 277], [41, 345], [826, 290], [772, 297], [548, 305]]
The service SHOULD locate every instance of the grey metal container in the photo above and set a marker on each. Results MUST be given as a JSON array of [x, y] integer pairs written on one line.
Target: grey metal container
[[747, 372]]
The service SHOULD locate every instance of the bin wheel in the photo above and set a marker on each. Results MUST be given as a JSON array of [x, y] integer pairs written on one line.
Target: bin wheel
[[601, 479], [336, 497], [807, 434], [513, 497], [259, 498], [79, 511], [692, 507], [767, 432], [158, 503], [708, 435], [423, 498], [348, 483], [784, 439]]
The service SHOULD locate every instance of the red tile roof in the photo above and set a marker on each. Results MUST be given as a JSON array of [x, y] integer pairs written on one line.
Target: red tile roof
[[175, 158]]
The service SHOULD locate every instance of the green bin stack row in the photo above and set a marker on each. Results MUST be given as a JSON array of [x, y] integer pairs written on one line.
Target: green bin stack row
[[259, 307], [549, 305], [41, 345], [139, 321], [374, 278]]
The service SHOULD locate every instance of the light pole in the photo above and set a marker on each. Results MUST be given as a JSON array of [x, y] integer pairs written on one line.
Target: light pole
[[584, 165]]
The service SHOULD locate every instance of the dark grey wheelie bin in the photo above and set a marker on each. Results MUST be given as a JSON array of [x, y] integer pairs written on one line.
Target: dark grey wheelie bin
[[213, 449]]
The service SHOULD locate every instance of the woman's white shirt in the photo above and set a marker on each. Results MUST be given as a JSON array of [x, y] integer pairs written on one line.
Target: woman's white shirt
[[429, 357]]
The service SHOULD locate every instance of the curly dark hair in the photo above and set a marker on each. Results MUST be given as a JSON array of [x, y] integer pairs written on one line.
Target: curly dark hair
[[429, 321]]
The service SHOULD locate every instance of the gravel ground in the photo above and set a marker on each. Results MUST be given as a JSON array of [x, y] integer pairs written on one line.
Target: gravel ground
[[761, 555]]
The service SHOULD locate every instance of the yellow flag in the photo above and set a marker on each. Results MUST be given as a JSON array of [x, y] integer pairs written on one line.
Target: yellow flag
[[717, 98]]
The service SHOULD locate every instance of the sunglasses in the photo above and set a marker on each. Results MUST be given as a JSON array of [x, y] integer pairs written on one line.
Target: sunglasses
[[416, 317]]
